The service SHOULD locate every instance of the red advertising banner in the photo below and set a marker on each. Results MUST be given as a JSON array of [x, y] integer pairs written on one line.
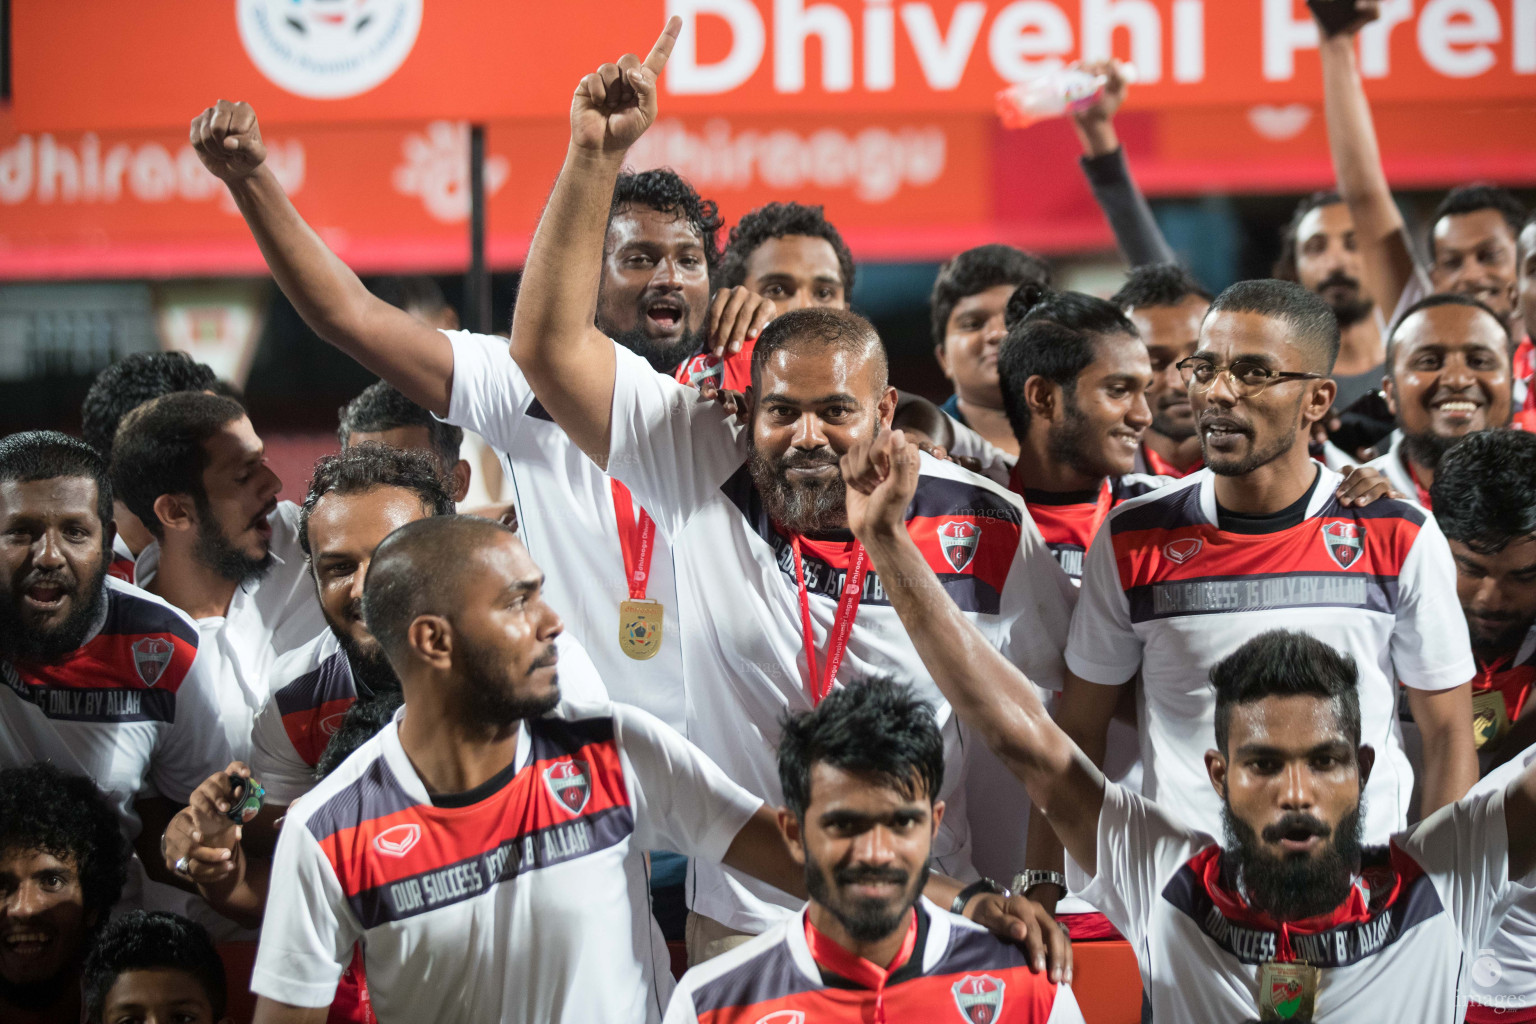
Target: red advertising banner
[[107, 65]]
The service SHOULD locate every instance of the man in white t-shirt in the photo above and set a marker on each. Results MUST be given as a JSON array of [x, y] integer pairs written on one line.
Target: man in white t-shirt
[[226, 551], [486, 847], [1179, 578], [774, 589], [1292, 916]]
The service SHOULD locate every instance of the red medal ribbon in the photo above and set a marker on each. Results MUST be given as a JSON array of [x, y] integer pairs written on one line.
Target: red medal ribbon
[[856, 969], [1490, 671], [637, 540], [1423, 491], [820, 684]]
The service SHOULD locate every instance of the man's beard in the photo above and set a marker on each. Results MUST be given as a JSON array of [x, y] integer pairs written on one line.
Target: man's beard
[[808, 507], [26, 643], [864, 920], [1295, 888], [370, 668], [1505, 641], [1347, 312], [1427, 449], [1067, 442], [217, 552], [664, 356], [488, 697], [1255, 458], [1163, 423]]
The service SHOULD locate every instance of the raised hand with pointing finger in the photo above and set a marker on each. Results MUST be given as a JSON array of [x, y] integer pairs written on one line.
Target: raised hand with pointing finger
[[228, 141], [614, 105]]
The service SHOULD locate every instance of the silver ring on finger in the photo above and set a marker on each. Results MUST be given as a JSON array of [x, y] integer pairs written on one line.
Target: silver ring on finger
[[181, 865]]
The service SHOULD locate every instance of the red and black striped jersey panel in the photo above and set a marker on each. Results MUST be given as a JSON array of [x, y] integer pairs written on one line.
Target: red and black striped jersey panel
[[314, 704]]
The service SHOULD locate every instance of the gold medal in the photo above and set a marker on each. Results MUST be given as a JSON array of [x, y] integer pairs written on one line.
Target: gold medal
[[1490, 718], [1287, 991], [640, 628]]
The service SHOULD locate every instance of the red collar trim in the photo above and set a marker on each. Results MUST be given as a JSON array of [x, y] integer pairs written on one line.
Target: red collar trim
[[828, 954], [1161, 467]]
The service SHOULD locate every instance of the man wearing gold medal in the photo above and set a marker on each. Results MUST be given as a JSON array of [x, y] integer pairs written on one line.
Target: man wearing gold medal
[[1290, 917]]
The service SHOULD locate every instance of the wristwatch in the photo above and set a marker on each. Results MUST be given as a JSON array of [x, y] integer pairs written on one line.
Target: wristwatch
[[969, 892], [1030, 877]]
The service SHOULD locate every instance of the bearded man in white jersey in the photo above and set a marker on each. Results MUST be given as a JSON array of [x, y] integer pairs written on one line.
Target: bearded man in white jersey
[[1292, 917], [774, 588]]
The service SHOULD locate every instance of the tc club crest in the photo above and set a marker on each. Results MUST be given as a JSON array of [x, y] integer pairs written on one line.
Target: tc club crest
[[1182, 550], [958, 539], [979, 998], [397, 841], [150, 658], [1344, 542], [570, 783]]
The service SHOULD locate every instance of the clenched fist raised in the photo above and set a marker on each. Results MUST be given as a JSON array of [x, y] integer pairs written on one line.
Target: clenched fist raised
[[228, 140]]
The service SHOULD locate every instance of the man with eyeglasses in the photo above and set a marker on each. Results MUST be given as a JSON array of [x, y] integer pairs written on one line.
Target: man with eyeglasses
[[1181, 577]]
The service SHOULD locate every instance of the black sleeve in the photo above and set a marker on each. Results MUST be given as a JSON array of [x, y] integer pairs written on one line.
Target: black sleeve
[[1136, 232]]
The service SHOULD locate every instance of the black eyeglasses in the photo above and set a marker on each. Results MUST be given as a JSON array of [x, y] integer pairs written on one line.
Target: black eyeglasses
[[1245, 376]]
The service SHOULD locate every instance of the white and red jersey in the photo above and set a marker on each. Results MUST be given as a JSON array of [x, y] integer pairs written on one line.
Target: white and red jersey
[[1149, 463], [267, 617], [686, 461], [567, 519], [1168, 592], [1504, 970], [121, 566], [523, 900], [1400, 948], [131, 709], [1068, 520], [955, 973], [312, 689]]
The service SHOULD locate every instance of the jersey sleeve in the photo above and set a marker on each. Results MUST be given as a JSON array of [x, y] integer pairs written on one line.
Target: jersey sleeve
[[194, 747], [671, 448], [1102, 646], [1464, 849], [489, 394], [274, 762], [1140, 847], [1064, 1008], [683, 801], [680, 1008], [308, 931], [1430, 646], [1039, 598]]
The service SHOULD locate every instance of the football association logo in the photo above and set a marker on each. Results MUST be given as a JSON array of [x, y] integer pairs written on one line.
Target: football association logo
[[1344, 542], [397, 841], [328, 49], [979, 998], [150, 658], [958, 539], [570, 784]]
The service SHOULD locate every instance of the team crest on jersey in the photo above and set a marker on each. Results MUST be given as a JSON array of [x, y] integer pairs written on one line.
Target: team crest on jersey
[[1181, 551], [958, 539], [783, 1017], [397, 841], [150, 658], [1344, 542], [705, 367], [570, 783], [979, 998]]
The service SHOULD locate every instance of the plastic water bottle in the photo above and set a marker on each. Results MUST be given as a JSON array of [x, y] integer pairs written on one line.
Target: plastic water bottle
[[1052, 94]]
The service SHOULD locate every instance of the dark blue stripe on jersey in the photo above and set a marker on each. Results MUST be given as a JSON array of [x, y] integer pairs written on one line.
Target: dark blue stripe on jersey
[[373, 794], [131, 615], [556, 737], [968, 591], [1381, 508], [977, 951], [770, 975], [466, 879], [1179, 507], [1219, 595], [68, 704], [537, 411], [1339, 947], [1124, 489], [330, 680]]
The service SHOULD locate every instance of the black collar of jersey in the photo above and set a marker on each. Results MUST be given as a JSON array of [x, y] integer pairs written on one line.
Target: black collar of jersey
[[489, 788], [1267, 522], [913, 968], [1036, 497]]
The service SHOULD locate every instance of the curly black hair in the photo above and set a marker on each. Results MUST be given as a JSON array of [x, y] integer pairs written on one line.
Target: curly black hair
[[976, 270], [132, 381], [879, 728], [666, 191], [1053, 335], [1484, 492], [151, 941], [160, 449], [1472, 198], [381, 407], [370, 464], [42, 808], [1285, 264], [779, 220]]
